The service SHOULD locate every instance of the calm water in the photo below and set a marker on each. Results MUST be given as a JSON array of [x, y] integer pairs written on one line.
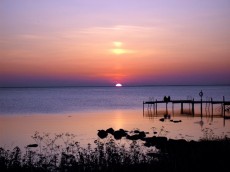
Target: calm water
[[78, 99], [84, 110]]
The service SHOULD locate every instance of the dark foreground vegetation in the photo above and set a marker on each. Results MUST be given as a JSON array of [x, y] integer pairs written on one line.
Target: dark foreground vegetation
[[118, 151]]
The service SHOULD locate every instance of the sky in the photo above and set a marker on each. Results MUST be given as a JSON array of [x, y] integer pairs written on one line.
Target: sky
[[105, 42]]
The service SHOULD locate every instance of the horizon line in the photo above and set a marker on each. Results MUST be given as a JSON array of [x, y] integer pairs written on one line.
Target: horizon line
[[151, 85]]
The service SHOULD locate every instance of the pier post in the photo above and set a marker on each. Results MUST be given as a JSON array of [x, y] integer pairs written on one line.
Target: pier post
[[201, 108], [212, 106], [156, 106], [143, 108], [166, 107], [172, 108], [224, 106], [193, 113], [182, 108]]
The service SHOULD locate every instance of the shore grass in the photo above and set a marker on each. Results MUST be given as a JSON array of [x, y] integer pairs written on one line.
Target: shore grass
[[136, 152]]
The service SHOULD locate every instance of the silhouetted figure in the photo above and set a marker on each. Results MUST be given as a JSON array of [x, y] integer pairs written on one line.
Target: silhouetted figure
[[167, 99]]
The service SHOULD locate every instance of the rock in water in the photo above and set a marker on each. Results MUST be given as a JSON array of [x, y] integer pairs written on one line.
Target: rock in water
[[102, 134]]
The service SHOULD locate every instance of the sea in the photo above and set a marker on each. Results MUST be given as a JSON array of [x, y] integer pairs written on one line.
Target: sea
[[85, 110], [53, 100]]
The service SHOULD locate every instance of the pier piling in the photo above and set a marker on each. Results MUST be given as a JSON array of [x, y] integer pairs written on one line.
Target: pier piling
[[212, 106], [182, 108], [224, 106]]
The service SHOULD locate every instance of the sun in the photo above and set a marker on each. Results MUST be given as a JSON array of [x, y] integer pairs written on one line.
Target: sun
[[118, 85]]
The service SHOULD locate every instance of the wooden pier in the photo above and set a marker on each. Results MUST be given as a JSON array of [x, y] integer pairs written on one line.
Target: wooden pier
[[224, 105]]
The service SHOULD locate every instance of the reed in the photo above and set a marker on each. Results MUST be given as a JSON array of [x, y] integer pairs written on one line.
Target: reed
[[62, 152]]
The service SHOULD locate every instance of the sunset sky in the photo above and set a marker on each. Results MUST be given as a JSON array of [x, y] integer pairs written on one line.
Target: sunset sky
[[104, 42]]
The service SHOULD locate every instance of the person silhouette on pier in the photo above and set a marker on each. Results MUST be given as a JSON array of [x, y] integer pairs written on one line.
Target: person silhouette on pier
[[167, 99]]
